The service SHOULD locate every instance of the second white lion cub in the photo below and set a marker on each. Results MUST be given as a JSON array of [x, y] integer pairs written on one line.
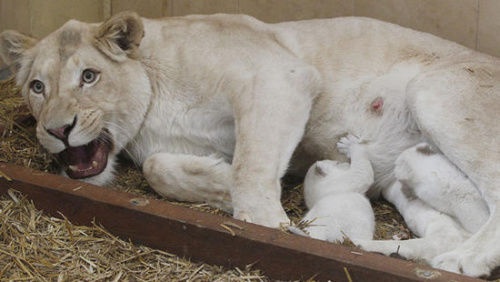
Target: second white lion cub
[[438, 202], [335, 195]]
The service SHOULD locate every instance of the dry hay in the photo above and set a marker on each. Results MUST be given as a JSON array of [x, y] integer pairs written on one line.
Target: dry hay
[[37, 246]]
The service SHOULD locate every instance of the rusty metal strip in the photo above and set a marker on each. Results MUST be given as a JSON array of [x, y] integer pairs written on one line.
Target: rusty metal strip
[[209, 238]]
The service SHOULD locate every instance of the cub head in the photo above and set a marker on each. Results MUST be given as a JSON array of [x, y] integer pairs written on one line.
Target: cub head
[[87, 89]]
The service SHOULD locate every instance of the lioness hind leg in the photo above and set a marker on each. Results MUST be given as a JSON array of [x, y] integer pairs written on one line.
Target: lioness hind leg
[[456, 107], [270, 121], [190, 178]]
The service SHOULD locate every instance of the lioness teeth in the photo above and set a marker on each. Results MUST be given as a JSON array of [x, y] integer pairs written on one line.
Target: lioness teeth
[[76, 169]]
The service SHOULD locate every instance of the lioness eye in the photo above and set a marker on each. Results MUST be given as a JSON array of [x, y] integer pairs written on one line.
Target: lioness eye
[[89, 76], [37, 86]]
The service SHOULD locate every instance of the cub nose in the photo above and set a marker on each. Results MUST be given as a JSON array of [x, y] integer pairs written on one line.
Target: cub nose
[[62, 132]]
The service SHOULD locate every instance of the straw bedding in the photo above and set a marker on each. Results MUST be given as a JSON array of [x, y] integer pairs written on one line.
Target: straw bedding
[[35, 247]]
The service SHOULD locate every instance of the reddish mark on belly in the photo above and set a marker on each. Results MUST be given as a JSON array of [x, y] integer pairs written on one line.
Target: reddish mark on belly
[[377, 105]]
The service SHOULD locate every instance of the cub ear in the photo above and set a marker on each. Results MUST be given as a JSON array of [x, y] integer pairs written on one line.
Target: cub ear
[[12, 46], [120, 36]]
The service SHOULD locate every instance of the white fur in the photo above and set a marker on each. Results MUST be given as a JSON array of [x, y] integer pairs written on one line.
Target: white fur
[[438, 232], [439, 204], [334, 193], [439, 184], [254, 93], [190, 178]]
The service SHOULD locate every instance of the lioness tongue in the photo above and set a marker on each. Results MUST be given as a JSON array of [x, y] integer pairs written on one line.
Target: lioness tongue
[[85, 161], [78, 156]]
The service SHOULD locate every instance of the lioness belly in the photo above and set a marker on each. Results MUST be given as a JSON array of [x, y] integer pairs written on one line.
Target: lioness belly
[[372, 108], [365, 74]]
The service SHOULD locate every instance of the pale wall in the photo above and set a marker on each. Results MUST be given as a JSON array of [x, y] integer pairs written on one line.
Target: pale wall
[[474, 23]]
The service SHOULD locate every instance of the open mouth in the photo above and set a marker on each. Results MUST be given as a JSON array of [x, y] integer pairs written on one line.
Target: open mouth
[[87, 160]]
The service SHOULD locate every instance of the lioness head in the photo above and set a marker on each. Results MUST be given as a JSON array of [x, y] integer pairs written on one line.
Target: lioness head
[[86, 89]]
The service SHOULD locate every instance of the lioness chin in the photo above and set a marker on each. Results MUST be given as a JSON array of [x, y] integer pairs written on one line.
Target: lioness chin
[[216, 107]]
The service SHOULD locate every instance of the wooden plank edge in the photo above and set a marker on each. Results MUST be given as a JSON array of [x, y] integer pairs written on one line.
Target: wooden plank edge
[[209, 238]]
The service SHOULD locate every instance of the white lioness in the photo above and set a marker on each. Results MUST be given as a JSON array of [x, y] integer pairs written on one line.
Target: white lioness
[[195, 94]]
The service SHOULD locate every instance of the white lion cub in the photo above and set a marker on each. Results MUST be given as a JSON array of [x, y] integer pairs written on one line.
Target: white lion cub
[[439, 204], [439, 184], [334, 193]]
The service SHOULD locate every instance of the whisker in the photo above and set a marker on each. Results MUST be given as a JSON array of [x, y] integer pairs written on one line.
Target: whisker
[[120, 130]]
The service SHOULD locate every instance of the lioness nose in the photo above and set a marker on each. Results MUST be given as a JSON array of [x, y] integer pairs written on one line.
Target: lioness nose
[[62, 132]]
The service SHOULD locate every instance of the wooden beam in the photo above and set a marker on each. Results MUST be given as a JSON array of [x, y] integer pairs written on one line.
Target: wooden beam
[[209, 238]]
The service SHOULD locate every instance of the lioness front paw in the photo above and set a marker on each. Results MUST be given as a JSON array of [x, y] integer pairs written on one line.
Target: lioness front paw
[[468, 263], [345, 144], [266, 216]]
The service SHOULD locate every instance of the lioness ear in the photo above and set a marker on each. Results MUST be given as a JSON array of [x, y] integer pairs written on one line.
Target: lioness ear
[[120, 36], [13, 44]]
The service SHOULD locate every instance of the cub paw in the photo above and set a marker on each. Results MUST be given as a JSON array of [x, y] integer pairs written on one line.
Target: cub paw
[[345, 144]]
